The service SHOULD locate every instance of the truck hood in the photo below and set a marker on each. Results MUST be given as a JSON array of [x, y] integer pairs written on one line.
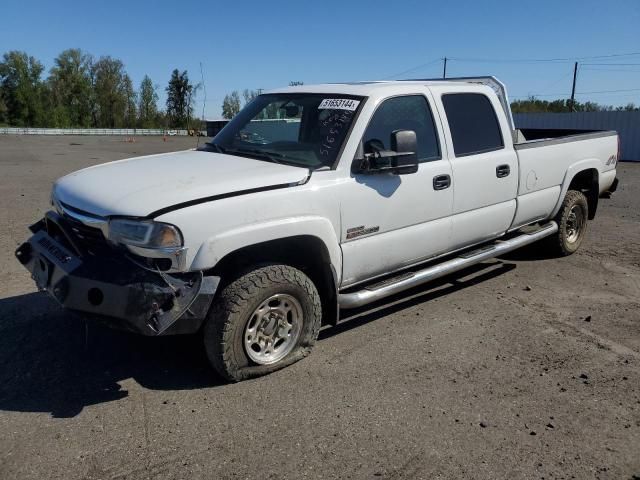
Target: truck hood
[[143, 185]]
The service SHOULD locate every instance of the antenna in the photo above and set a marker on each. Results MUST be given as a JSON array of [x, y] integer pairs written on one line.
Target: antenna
[[204, 103]]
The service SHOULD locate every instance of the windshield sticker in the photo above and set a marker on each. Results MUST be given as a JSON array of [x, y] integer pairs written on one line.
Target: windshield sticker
[[339, 104], [333, 128]]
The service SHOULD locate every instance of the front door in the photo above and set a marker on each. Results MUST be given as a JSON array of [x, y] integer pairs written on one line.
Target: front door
[[390, 221]]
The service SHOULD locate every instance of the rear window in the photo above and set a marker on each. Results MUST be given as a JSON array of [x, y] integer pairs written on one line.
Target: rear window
[[473, 123]]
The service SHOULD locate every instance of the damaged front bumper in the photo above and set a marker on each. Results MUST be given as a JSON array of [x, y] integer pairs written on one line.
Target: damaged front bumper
[[112, 288]]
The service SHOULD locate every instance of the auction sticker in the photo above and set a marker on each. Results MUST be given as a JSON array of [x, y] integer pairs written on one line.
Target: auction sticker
[[339, 104]]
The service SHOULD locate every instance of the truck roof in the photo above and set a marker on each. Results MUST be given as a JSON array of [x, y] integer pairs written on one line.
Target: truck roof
[[364, 88], [371, 88]]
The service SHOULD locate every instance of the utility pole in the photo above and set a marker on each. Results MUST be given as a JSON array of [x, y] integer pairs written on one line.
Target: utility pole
[[444, 68], [573, 87]]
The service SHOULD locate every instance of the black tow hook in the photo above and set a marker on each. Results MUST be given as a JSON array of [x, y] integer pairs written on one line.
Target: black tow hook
[[23, 253]]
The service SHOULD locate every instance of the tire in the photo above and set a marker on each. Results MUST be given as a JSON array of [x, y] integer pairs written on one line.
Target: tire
[[572, 223], [265, 320]]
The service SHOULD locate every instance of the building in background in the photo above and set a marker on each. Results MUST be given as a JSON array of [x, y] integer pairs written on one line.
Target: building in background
[[627, 124]]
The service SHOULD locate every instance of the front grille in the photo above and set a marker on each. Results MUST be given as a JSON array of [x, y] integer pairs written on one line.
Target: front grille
[[87, 237], [75, 235], [84, 233]]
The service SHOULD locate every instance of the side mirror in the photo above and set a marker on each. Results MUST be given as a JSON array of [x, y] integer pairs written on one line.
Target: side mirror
[[401, 159]]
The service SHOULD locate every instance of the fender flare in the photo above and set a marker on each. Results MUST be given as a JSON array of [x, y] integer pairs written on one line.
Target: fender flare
[[572, 171], [215, 248]]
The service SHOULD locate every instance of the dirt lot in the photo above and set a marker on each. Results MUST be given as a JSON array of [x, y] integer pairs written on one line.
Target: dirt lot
[[526, 367]]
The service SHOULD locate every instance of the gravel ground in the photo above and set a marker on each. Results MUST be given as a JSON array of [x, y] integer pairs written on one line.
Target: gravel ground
[[524, 367]]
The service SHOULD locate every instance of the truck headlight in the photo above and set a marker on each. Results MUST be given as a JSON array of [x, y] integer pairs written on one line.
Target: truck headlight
[[144, 233]]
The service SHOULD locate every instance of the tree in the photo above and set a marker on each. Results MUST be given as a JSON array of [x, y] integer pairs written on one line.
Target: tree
[[3, 110], [70, 84], [148, 104], [231, 104], [130, 112], [110, 93], [23, 92], [629, 107], [179, 99], [533, 105], [249, 95]]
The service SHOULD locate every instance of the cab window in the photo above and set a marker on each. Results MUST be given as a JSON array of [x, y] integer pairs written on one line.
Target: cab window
[[409, 112], [473, 123]]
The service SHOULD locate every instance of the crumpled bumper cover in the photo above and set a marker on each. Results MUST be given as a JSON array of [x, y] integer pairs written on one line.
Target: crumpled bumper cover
[[115, 290]]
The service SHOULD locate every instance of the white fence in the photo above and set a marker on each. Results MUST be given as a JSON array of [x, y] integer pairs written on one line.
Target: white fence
[[130, 132]]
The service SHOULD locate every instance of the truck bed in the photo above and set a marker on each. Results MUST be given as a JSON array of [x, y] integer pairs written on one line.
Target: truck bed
[[535, 137], [544, 161], [547, 156]]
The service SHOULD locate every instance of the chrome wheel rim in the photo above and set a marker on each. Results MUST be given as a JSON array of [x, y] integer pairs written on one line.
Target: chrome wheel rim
[[273, 329], [575, 223]]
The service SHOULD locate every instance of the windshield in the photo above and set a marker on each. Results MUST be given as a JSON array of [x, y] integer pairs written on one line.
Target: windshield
[[301, 129]]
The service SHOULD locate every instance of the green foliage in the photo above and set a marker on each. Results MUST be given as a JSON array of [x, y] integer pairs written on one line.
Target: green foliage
[[4, 111], [534, 105], [629, 107], [179, 99], [148, 104], [71, 89], [23, 94], [82, 92], [110, 90], [249, 95], [130, 112], [231, 104]]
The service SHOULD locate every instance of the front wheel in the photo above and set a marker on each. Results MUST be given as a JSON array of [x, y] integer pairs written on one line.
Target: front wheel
[[263, 321], [572, 223]]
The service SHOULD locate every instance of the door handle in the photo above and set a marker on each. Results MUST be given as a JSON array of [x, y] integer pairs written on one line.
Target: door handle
[[503, 171], [440, 182]]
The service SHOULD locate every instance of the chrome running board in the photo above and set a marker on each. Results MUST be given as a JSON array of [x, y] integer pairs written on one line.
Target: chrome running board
[[409, 280]]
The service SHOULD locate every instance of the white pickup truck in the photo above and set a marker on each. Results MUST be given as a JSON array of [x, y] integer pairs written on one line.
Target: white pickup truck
[[311, 200]]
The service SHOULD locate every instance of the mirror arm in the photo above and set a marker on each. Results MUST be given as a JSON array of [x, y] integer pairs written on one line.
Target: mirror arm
[[367, 164], [402, 159]]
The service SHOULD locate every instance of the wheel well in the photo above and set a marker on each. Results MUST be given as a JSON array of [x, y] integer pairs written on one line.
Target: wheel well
[[586, 182], [304, 252]]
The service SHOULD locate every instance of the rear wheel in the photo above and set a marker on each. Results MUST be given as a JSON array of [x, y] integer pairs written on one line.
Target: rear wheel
[[572, 223], [263, 321]]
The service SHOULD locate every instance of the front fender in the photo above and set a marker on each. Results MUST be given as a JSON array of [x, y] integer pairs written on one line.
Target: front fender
[[218, 246]]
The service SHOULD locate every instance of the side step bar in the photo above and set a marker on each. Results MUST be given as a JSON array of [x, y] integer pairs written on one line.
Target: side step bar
[[412, 279]]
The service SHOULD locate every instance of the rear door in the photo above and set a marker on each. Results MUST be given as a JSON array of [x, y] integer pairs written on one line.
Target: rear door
[[484, 165], [390, 221]]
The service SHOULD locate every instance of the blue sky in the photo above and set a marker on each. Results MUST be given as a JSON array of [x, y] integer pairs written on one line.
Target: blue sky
[[265, 44]]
